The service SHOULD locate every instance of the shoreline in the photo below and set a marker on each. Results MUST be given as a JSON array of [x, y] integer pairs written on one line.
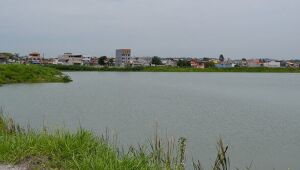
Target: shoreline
[[75, 68]]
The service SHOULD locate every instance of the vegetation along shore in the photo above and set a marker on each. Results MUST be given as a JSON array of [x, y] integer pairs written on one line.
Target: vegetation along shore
[[18, 73], [175, 69], [31, 149]]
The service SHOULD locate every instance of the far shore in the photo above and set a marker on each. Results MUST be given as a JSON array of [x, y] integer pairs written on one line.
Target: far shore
[[175, 69], [19, 73]]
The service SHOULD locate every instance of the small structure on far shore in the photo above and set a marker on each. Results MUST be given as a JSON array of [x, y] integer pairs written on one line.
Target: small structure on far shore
[[34, 58], [273, 64]]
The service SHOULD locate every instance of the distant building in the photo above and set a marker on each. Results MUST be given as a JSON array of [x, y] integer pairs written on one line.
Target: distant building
[[50, 61], [123, 57], [196, 64], [71, 59], [243, 63], [86, 60], [169, 62], [272, 64], [94, 61], [34, 58], [225, 65], [141, 61], [254, 63], [291, 63]]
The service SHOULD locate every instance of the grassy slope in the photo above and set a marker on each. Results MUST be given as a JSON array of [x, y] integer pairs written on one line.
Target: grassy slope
[[30, 74], [178, 69], [83, 150], [64, 150]]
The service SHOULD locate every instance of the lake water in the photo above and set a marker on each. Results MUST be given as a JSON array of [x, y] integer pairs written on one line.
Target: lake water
[[257, 115]]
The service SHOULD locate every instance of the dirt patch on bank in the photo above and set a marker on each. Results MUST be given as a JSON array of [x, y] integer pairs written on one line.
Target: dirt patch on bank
[[11, 167], [28, 164]]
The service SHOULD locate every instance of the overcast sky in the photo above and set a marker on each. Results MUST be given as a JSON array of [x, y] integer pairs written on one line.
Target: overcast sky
[[202, 28]]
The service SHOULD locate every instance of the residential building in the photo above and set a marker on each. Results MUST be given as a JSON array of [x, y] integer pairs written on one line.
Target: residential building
[[94, 61], [243, 62], [254, 63], [290, 63], [34, 58], [196, 63], [169, 62], [54, 61], [271, 64], [141, 61], [71, 59], [123, 57], [86, 60], [225, 65]]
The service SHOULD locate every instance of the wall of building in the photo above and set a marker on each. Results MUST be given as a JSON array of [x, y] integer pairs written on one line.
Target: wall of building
[[123, 57]]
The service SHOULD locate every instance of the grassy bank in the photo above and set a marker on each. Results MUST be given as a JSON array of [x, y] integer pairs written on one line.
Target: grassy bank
[[30, 74], [176, 69], [83, 150]]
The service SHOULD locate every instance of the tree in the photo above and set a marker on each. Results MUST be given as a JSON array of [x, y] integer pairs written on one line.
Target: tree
[[111, 62], [102, 60], [209, 64], [156, 60], [183, 63], [221, 58], [205, 59]]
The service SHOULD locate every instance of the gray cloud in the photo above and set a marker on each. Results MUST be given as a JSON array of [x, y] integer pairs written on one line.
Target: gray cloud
[[248, 28]]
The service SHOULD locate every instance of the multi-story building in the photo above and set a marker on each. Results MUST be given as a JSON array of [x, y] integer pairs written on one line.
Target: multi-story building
[[123, 57], [71, 59], [35, 58]]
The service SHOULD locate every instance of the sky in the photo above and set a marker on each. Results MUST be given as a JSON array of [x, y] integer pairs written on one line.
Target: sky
[[166, 28]]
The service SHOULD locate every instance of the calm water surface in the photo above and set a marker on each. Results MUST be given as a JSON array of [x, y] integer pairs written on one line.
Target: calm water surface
[[257, 114]]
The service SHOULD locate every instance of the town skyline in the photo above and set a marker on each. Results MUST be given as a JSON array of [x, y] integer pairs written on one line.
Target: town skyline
[[113, 54]]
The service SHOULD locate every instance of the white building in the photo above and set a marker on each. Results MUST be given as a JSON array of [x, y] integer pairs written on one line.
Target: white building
[[70, 59], [123, 57], [272, 64], [141, 61], [86, 60], [169, 62], [225, 65]]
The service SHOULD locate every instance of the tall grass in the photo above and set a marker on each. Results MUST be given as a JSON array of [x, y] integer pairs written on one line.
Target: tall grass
[[83, 150]]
